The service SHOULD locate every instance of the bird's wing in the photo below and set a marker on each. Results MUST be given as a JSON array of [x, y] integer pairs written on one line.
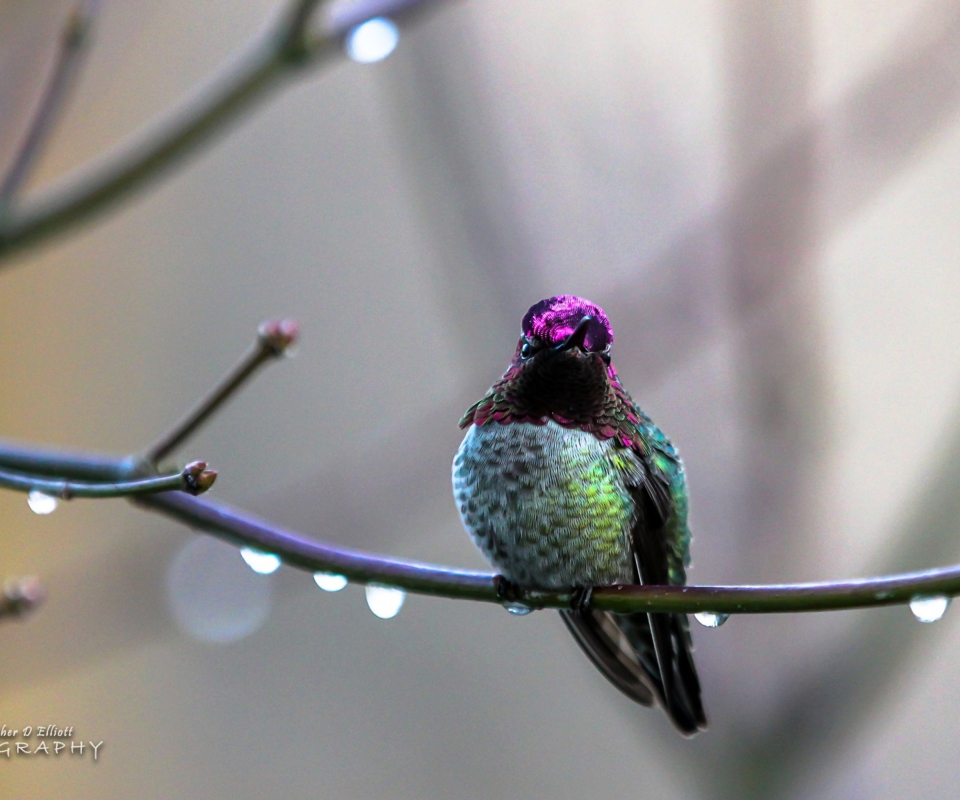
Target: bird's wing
[[654, 558], [647, 656]]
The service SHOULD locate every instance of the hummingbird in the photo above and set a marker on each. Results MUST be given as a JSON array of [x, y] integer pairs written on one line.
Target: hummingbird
[[565, 484]]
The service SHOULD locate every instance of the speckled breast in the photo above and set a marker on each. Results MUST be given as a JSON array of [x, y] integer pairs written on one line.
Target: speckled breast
[[547, 505]]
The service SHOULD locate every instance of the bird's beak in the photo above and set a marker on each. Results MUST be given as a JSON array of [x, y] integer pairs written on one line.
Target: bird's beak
[[577, 338]]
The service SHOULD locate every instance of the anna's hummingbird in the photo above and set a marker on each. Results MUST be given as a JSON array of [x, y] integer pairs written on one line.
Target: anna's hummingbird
[[563, 482]]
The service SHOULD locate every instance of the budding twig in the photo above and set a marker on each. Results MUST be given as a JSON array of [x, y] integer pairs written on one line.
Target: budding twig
[[194, 479], [73, 42], [20, 596], [274, 339]]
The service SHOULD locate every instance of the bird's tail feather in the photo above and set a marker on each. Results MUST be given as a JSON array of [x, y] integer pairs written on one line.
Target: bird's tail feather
[[647, 657]]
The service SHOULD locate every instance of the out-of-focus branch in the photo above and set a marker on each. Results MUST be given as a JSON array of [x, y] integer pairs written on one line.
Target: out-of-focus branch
[[273, 340], [20, 596], [341, 17], [73, 43], [294, 42], [293, 38], [194, 479]]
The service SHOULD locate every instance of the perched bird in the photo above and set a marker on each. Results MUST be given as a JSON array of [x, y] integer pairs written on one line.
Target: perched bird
[[564, 483]]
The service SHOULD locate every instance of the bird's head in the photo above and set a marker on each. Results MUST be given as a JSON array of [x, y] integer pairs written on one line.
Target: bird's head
[[561, 366]]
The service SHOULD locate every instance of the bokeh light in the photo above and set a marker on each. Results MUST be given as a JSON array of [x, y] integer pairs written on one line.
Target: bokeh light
[[372, 41]]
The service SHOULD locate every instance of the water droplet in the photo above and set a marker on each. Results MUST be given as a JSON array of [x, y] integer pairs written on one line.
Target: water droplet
[[372, 41], [329, 582], [711, 619], [41, 503], [518, 608], [385, 601], [929, 609], [261, 563]]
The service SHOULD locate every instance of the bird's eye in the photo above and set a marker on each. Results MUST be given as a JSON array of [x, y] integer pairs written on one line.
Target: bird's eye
[[605, 355], [527, 350]]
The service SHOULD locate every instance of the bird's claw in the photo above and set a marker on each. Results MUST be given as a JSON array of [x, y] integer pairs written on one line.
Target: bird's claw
[[507, 590], [580, 599]]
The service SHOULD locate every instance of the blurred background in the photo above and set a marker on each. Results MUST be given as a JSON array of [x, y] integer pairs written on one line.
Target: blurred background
[[763, 195]]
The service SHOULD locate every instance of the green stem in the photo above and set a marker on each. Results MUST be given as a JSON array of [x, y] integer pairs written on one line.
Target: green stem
[[195, 478]]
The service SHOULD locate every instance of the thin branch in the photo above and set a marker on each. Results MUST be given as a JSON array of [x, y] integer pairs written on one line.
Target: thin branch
[[298, 551], [194, 479], [132, 164], [66, 466], [273, 340], [248, 78], [20, 596], [73, 41]]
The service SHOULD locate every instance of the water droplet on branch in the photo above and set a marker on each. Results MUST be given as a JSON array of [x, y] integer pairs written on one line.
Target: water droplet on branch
[[372, 41], [41, 503], [385, 601], [929, 609], [329, 582], [518, 608], [261, 563], [711, 619]]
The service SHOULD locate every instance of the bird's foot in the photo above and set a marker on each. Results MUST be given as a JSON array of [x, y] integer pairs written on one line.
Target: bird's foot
[[511, 596], [580, 599], [507, 590]]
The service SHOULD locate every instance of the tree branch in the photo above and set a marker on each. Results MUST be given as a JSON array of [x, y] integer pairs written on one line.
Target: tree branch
[[55, 463], [273, 340], [298, 551], [194, 478], [260, 68], [73, 41]]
